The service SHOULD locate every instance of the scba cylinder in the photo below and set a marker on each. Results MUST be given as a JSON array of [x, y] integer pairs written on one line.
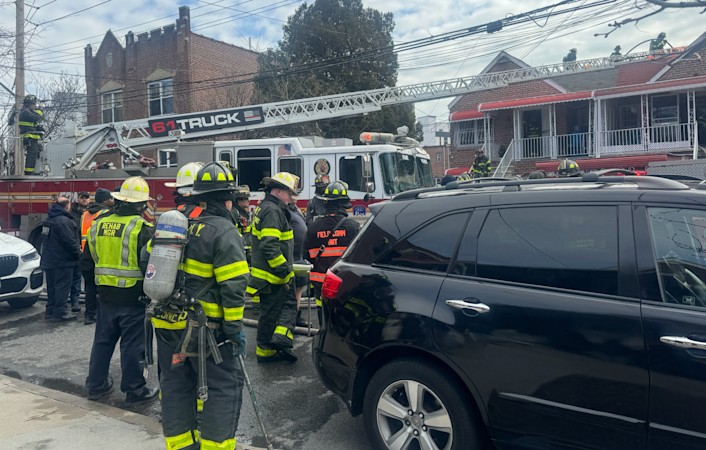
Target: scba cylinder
[[163, 265]]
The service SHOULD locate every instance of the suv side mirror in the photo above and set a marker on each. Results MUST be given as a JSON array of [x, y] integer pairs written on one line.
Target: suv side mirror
[[367, 166]]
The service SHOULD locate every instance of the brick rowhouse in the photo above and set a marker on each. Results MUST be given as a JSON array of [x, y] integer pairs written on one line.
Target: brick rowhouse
[[173, 52]]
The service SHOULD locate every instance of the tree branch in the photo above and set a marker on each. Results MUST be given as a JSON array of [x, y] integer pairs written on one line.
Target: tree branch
[[668, 4]]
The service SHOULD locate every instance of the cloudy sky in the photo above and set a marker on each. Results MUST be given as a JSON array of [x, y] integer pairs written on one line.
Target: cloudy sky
[[58, 44]]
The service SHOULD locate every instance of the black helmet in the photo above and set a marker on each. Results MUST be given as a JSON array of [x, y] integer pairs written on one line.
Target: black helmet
[[338, 190], [662, 34], [321, 181], [537, 175], [568, 168], [29, 99], [213, 177]]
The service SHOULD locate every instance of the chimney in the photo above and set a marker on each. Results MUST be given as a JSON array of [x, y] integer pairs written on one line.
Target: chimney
[[129, 38], [184, 12], [88, 51]]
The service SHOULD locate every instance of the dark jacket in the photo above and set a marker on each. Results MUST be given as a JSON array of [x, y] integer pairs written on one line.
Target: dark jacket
[[62, 247], [215, 250], [319, 234], [481, 165], [242, 222], [272, 244], [115, 295], [315, 209], [29, 123], [298, 224]]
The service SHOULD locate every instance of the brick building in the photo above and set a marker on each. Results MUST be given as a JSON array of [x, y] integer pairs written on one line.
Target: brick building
[[645, 107], [164, 71]]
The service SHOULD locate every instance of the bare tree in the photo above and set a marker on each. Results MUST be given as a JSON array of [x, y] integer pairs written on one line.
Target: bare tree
[[65, 99], [662, 5]]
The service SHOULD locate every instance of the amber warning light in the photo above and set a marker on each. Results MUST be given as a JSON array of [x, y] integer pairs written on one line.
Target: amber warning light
[[376, 138]]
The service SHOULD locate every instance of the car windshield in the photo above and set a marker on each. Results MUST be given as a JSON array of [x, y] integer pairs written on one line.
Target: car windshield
[[402, 172]]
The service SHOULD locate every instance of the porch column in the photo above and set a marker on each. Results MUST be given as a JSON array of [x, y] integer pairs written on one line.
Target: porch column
[[645, 103], [590, 140], [517, 133], [693, 122], [552, 131], [486, 134], [599, 126]]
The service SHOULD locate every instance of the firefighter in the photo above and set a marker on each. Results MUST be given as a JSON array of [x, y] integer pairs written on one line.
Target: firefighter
[[99, 207], [32, 132], [616, 53], [214, 255], [568, 168], [481, 165], [182, 192], [315, 207], [657, 45], [571, 57], [114, 243], [537, 175], [271, 276], [241, 205], [328, 237]]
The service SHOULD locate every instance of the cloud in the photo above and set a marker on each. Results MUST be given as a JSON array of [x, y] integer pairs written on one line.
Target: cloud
[[52, 50]]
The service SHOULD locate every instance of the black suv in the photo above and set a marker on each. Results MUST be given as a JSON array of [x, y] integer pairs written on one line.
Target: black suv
[[543, 314]]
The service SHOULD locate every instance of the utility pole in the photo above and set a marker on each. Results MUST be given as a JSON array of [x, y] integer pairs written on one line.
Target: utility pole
[[19, 82]]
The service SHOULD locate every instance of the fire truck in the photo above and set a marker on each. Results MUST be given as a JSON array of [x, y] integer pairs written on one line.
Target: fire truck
[[384, 167]]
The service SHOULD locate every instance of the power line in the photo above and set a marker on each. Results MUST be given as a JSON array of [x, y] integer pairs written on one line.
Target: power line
[[77, 12]]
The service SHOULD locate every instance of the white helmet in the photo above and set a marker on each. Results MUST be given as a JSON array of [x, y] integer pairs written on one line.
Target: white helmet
[[133, 190], [283, 180], [186, 175]]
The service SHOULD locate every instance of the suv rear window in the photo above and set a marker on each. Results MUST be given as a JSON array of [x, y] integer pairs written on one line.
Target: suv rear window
[[564, 247]]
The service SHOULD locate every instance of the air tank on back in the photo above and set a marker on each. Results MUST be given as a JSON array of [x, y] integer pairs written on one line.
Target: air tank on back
[[163, 265]]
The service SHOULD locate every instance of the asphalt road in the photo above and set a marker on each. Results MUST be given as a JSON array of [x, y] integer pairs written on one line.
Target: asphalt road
[[299, 412]]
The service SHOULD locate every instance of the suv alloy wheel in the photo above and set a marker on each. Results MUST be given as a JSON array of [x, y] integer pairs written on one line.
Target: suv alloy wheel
[[411, 405]]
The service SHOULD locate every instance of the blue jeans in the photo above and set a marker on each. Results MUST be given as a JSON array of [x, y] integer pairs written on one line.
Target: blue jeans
[[76, 285]]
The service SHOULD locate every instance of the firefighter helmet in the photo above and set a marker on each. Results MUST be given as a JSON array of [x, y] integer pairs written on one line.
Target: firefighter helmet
[[321, 181], [282, 180], [133, 190], [338, 190], [573, 50], [29, 99], [537, 175], [568, 168], [662, 35], [241, 192], [185, 176], [212, 177]]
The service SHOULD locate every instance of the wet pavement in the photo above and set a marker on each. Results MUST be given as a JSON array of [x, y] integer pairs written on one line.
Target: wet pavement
[[299, 412]]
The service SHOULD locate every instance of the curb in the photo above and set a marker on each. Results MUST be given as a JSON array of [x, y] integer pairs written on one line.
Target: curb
[[152, 425]]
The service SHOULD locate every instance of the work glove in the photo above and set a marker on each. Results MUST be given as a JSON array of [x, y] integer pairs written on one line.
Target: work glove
[[239, 340]]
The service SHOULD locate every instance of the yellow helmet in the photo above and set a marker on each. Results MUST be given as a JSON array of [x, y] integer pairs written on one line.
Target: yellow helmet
[[186, 175], [283, 180], [133, 190]]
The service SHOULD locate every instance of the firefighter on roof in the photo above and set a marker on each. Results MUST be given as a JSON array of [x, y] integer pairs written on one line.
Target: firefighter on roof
[[216, 274], [658, 44], [32, 132], [329, 237], [271, 276]]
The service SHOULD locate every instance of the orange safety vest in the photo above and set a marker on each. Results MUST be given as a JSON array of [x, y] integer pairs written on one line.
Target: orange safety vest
[[86, 221]]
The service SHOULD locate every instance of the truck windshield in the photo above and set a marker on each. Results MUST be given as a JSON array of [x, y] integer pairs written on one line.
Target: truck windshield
[[402, 172]]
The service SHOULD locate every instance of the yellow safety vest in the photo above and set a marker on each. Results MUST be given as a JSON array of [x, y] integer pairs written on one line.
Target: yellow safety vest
[[113, 247]]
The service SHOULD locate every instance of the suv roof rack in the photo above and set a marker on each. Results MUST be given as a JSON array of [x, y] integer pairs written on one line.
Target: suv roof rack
[[642, 182]]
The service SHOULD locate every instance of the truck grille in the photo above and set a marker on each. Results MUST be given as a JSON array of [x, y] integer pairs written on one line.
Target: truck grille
[[12, 285], [8, 265]]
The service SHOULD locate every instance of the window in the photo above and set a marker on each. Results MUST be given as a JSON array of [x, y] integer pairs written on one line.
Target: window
[[253, 166], [227, 156], [430, 248], [112, 106], [293, 166], [679, 242], [665, 110], [167, 158], [564, 247], [438, 157], [629, 117], [161, 97], [350, 170], [471, 132]]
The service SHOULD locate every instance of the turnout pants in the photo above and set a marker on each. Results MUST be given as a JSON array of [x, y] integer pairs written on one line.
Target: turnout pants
[[58, 289], [91, 294], [127, 324], [278, 315], [32, 155], [221, 412]]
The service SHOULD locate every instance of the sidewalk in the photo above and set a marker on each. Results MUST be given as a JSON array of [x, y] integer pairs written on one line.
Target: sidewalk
[[35, 417]]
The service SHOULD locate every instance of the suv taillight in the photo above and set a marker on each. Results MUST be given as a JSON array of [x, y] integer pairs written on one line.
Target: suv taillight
[[331, 285]]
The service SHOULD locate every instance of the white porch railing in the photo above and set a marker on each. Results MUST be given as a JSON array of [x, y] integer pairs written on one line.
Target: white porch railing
[[505, 161], [659, 138], [562, 146]]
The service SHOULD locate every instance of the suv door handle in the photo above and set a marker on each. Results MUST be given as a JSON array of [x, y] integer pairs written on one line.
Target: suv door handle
[[462, 304], [683, 342]]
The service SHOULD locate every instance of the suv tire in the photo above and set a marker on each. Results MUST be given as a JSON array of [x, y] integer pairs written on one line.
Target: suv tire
[[21, 303], [439, 405]]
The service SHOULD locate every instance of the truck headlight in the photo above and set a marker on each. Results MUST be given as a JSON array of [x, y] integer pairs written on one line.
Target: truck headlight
[[31, 256]]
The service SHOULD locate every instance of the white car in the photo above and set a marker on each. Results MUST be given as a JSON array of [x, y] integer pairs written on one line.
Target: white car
[[21, 279]]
